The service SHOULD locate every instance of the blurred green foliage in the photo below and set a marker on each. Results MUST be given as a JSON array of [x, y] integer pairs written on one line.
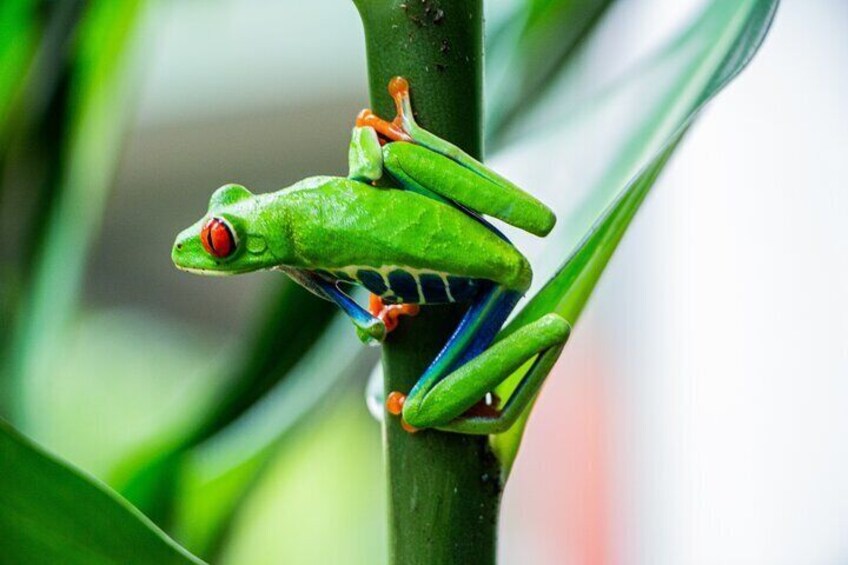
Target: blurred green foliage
[[50, 513], [260, 452]]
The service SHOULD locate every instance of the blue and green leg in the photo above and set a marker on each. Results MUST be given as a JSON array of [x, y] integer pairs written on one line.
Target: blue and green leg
[[370, 328], [449, 394]]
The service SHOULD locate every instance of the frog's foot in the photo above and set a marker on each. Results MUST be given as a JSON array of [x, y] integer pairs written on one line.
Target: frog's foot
[[392, 131], [394, 406], [389, 313], [486, 408], [402, 127]]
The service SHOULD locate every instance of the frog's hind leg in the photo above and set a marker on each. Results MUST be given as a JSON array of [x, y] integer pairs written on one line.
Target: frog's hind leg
[[450, 404], [473, 335], [438, 166]]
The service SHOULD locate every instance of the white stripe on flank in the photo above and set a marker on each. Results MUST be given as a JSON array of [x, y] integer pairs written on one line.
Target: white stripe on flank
[[447, 287]]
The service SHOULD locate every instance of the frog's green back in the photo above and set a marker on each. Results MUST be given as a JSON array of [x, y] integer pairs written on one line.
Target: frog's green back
[[333, 223]]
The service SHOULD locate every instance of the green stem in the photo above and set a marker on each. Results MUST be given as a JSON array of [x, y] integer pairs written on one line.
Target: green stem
[[444, 489]]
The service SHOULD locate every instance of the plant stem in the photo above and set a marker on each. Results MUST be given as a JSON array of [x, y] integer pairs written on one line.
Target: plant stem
[[444, 489]]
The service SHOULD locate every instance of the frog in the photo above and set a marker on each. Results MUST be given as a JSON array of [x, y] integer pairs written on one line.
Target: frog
[[409, 224]]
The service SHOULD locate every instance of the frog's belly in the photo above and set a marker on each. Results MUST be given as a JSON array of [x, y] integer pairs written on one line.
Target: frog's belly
[[397, 285]]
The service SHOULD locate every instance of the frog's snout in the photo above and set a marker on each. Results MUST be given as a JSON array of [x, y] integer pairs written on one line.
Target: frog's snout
[[175, 251], [183, 253]]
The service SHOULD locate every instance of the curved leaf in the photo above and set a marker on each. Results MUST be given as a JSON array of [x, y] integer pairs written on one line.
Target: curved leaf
[[51, 513], [88, 156], [527, 51], [714, 50], [18, 31], [264, 364], [218, 473]]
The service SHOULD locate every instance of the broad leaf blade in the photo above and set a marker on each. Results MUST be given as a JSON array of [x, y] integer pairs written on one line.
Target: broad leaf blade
[[18, 32], [89, 153], [264, 364], [717, 47], [218, 473], [50, 513]]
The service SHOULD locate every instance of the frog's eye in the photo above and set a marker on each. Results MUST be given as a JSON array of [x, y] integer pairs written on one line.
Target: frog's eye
[[218, 238]]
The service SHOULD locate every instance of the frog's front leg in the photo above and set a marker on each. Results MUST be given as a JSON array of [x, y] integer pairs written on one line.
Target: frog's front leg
[[365, 161], [365, 155], [370, 329], [445, 404], [471, 337]]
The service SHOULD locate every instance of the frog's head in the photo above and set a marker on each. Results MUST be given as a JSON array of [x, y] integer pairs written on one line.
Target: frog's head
[[230, 239]]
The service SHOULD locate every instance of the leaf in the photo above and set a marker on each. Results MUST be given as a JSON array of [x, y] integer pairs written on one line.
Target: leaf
[[51, 513], [262, 367], [143, 379], [322, 498], [217, 474], [18, 31], [713, 50], [529, 49], [98, 97]]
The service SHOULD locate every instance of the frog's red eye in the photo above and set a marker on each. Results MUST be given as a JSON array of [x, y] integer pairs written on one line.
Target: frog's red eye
[[218, 238]]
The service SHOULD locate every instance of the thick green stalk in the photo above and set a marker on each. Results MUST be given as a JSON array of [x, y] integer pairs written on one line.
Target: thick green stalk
[[444, 489]]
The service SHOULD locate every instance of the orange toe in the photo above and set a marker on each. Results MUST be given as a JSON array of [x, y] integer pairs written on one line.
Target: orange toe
[[390, 314], [375, 305], [388, 130], [407, 426], [398, 86], [394, 403]]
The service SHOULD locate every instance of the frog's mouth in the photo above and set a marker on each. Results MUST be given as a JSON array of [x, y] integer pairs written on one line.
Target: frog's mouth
[[207, 272]]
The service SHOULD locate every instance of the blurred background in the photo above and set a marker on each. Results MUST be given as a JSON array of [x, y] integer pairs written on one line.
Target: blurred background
[[697, 416]]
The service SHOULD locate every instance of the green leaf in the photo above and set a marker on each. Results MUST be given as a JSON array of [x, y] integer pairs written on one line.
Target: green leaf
[[322, 498], [218, 473], [51, 513], [261, 367], [144, 380], [98, 97], [529, 49], [18, 32], [696, 66]]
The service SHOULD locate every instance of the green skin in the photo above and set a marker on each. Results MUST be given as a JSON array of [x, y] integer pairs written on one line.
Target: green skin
[[327, 224]]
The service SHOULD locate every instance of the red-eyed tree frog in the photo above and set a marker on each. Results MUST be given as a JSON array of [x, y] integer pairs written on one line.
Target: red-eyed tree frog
[[424, 243]]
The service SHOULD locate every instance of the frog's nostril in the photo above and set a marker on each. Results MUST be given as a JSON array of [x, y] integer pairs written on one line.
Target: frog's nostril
[[179, 246]]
